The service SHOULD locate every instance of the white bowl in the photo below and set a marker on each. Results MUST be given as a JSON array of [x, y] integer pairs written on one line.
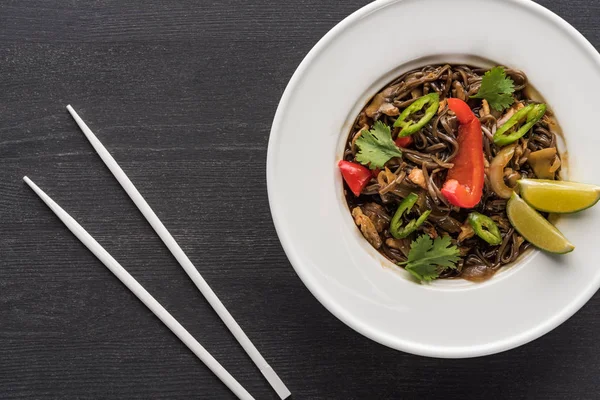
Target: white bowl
[[349, 65]]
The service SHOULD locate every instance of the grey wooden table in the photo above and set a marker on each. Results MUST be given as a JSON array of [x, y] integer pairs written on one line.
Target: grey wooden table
[[183, 93]]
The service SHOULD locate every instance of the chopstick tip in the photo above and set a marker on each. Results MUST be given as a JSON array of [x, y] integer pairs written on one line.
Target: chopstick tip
[[276, 382], [28, 181]]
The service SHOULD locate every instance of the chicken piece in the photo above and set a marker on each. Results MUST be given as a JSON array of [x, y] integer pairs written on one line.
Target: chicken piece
[[466, 232], [355, 138], [544, 163], [550, 121], [386, 177], [458, 91], [363, 119], [416, 176], [485, 108], [377, 214], [367, 227], [389, 109], [518, 152], [524, 153], [397, 244], [403, 245], [442, 106], [381, 104], [430, 230]]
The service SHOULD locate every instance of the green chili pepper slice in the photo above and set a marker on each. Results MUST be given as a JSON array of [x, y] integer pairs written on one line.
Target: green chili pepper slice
[[396, 229], [408, 126], [530, 114], [485, 228]]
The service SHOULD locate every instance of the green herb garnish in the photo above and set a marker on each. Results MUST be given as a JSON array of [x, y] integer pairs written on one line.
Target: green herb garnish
[[428, 258], [497, 89], [376, 146]]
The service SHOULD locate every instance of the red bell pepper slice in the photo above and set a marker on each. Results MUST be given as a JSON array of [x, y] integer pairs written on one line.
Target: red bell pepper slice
[[404, 141], [355, 175], [462, 110], [464, 182]]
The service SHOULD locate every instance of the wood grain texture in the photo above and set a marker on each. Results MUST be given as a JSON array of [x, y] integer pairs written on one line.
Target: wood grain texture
[[183, 94]]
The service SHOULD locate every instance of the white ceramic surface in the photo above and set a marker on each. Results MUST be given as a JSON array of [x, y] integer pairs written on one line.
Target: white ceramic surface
[[346, 67]]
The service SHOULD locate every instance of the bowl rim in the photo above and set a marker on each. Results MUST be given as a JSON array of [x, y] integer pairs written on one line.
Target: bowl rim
[[296, 261]]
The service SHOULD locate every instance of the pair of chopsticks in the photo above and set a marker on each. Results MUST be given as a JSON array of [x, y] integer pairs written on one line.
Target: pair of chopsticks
[[154, 306]]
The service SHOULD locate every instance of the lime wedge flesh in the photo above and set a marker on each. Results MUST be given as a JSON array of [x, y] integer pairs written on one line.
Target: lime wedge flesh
[[558, 196], [535, 228]]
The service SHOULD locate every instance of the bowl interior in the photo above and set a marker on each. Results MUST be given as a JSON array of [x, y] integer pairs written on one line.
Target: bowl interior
[[453, 59]]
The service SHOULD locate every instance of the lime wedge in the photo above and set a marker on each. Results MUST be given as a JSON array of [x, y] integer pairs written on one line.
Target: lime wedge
[[558, 196], [535, 228]]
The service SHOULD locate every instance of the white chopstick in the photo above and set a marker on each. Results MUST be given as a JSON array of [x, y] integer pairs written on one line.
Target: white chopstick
[[142, 294], [183, 260]]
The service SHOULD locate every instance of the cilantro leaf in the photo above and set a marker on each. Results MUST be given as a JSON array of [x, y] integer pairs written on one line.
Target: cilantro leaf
[[427, 258], [497, 89], [376, 146]]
